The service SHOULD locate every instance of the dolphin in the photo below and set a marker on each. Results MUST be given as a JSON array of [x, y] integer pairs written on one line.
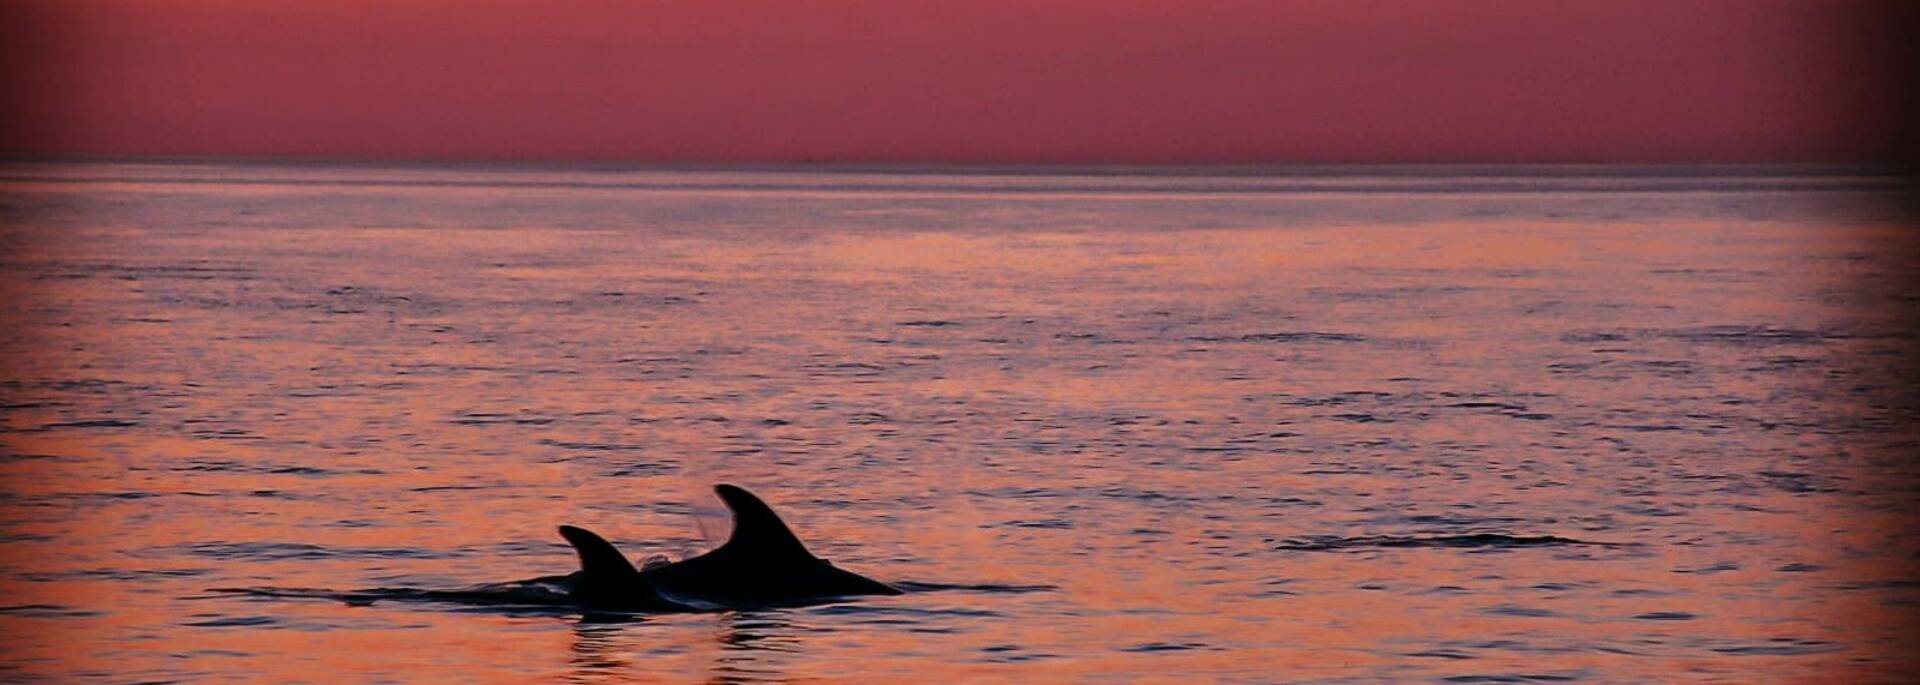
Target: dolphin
[[762, 564]]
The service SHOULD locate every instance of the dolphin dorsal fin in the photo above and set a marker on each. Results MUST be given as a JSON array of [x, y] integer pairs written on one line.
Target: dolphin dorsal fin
[[598, 558], [757, 531]]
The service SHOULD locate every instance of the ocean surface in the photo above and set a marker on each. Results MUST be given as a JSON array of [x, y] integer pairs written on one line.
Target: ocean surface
[[1320, 425]]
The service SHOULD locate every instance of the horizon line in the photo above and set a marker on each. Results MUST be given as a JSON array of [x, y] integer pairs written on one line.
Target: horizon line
[[1841, 167]]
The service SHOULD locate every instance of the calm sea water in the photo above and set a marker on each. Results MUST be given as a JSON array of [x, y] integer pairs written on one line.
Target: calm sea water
[[1335, 425]]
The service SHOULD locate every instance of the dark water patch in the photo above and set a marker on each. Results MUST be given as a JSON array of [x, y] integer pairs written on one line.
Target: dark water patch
[[1795, 482], [1018, 492], [1389, 294], [197, 272], [48, 611], [88, 423], [196, 653], [642, 469], [1012, 654], [1575, 367], [1340, 398], [1646, 427], [928, 323], [1334, 543], [1143, 495], [1743, 335], [1361, 418], [1051, 524], [63, 498], [225, 434], [1666, 616], [403, 369], [986, 588], [1513, 678], [1710, 569], [1666, 368], [911, 612], [299, 471], [492, 419], [1453, 521], [1095, 338], [1750, 335], [1593, 336], [1518, 611], [450, 488], [1153, 647], [1488, 405], [1640, 592], [1450, 654], [1782, 363], [6, 457], [846, 369], [118, 575], [11, 406], [198, 465], [1782, 646], [1284, 337], [1800, 568], [1892, 584], [233, 622]]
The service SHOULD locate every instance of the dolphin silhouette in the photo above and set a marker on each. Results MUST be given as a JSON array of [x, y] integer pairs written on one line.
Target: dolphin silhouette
[[762, 564]]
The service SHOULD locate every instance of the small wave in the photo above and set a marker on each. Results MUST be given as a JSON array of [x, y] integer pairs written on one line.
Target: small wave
[[992, 588], [88, 423], [1666, 616], [47, 611], [1332, 543], [1511, 678], [1781, 646], [1746, 335], [118, 575], [1284, 337], [912, 612], [524, 594], [279, 551], [234, 622], [593, 446], [1152, 647]]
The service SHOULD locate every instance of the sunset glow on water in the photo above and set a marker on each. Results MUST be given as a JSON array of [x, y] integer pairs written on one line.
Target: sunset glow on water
[[1419, 425]]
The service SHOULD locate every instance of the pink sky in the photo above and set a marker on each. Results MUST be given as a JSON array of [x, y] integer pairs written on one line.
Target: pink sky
[[943, 80]]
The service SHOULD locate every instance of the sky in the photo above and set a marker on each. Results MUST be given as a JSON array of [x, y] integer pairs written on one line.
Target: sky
[[998, 81]]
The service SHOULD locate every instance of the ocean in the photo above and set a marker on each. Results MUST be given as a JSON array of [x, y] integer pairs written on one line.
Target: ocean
[[1312, 424]]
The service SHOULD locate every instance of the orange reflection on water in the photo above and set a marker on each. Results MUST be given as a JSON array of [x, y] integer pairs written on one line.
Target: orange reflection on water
[[1152, 406]]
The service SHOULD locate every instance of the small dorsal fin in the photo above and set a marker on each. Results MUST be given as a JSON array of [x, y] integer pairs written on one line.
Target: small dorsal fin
[[757, 531], [598, 558]]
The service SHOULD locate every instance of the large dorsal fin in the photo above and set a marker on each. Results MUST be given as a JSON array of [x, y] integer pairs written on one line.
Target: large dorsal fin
[[757, 531], [599, 560]]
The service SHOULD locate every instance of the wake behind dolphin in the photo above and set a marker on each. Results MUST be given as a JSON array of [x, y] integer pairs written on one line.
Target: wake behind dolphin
[[761, 565]]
